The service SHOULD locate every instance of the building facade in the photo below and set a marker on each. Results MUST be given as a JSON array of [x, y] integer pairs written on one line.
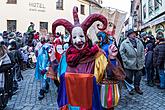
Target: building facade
[[136, 14], [153, 17], [16, 15]]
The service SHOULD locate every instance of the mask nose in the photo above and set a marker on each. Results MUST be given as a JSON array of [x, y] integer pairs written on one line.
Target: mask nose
[[78, 40]]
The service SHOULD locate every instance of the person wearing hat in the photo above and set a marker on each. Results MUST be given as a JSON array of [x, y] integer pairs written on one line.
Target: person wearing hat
[[132, 53]]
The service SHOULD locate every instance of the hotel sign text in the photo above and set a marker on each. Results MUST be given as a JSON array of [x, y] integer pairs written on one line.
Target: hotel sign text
[[37, 7]]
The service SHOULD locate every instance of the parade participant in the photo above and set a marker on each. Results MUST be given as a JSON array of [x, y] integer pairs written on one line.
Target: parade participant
[[132, 53], [43, 62], [58, 48], [114, 67], [103, 42], [114, 71], [85, 65]]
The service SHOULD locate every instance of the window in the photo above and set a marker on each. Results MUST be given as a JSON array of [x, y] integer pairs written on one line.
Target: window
[[59, 5], [157, 4], [12, 1], [43, 25], [82, 9], [11, 25], [137, 7], [144, 11], [150, 7]]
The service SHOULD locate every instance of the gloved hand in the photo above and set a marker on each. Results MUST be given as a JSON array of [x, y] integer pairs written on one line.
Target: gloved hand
[[43, 71]]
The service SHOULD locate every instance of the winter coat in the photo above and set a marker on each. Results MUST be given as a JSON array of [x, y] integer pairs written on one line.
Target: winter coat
[[149, 56], [159, 55], [132, 58]]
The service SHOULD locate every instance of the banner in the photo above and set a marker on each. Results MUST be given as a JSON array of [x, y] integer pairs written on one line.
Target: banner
[[115, 19]]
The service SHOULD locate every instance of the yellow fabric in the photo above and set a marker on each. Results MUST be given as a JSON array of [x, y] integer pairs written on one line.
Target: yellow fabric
[[116, 95], [100, 66]]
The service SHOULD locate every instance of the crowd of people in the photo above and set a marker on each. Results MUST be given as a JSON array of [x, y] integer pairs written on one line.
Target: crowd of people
[[154, 51], [85, 74]]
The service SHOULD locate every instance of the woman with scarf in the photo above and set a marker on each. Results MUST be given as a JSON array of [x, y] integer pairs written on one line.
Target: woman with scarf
[[82, 66]]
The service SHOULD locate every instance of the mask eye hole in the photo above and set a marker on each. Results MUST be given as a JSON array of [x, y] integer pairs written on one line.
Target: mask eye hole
[[74, 37], [81, 36]]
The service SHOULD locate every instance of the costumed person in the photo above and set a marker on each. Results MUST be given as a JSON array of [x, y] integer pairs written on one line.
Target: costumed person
[[84, 66], [58, 49], [114, 73], [52, 70], [42, 66], [104, 42]]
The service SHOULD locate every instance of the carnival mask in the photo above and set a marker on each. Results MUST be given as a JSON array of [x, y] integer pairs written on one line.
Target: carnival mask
[[78, 37], [113, 51]]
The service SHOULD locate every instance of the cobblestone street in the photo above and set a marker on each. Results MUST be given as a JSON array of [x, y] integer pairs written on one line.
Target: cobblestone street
[[26, 98]]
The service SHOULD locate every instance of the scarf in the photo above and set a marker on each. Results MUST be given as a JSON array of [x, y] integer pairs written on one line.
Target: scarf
[[75, 56], [133, 41]]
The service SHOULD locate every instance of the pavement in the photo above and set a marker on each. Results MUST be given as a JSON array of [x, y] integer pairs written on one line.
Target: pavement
[[26, 97]]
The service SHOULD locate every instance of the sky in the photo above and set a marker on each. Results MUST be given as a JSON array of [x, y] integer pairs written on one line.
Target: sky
[[123, 5]]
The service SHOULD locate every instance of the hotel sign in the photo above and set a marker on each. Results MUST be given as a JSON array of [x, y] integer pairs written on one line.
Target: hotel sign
[[40, 7]]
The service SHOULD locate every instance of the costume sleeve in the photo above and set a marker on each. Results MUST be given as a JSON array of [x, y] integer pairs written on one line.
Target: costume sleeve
[[100, 66], [62, 65]]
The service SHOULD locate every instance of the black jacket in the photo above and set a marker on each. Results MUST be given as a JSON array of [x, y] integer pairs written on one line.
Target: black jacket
[[149, 56], [159, 55]]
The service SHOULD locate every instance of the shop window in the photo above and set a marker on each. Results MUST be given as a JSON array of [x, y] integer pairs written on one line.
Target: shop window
[[43, 25], [82, 7], [59, 5], [150, 7], [144, 11], [11, 25], [12, 1], [157, 4]]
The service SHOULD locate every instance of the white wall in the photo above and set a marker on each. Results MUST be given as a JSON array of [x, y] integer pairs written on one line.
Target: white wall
[[23, 14]]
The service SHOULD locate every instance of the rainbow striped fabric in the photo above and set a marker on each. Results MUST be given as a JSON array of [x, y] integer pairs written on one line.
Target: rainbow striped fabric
[[110, 95]]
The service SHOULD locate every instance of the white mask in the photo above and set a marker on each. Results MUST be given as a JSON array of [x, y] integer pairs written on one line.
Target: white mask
[[78, 38]]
